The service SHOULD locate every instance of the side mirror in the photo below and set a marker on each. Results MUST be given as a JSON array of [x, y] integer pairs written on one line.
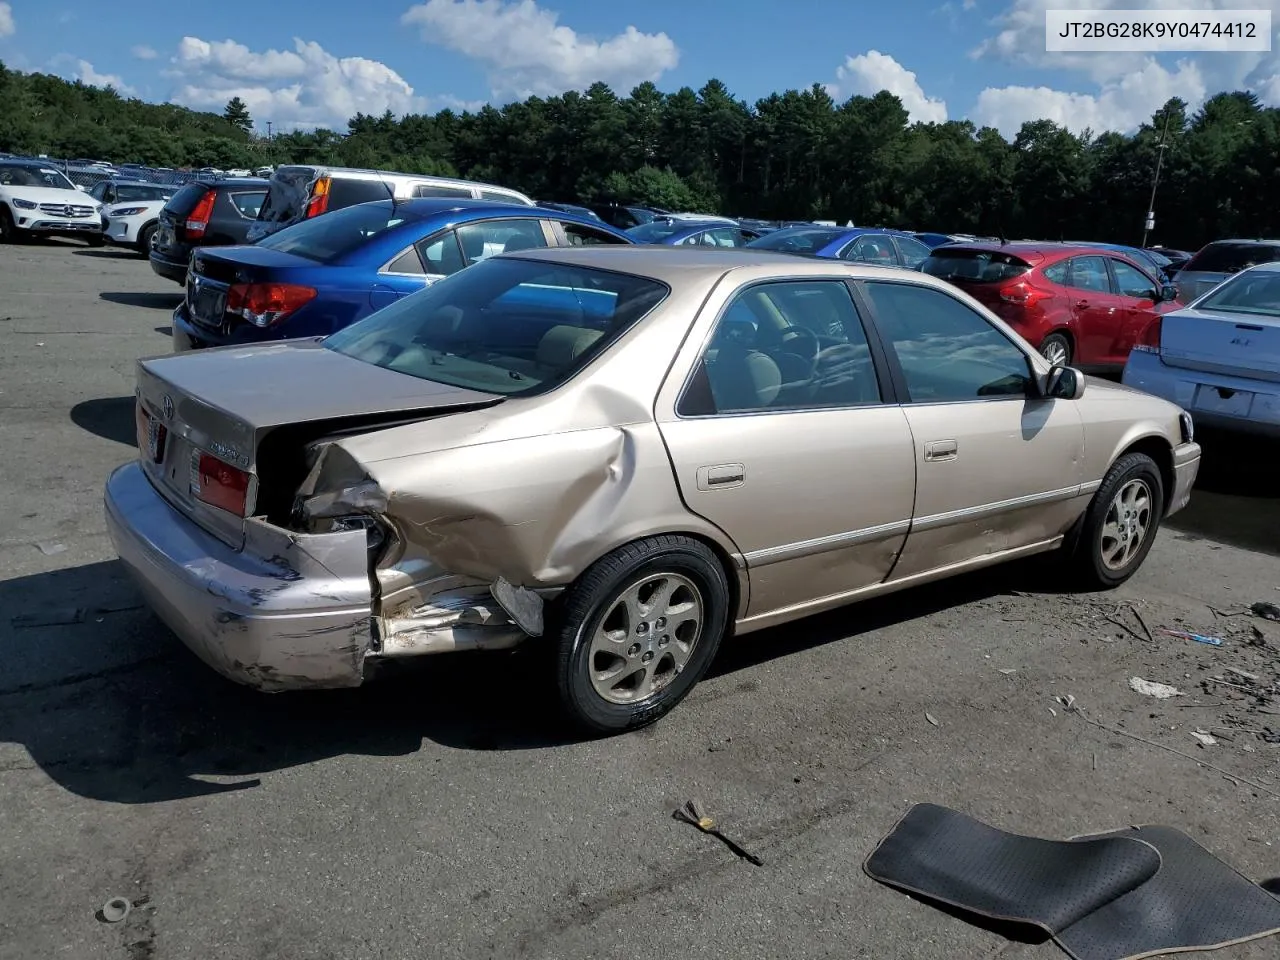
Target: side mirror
[[80, 187], [1168, 292], [1064, 383]]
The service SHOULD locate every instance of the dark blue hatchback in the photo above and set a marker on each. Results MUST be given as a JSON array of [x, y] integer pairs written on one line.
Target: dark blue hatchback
[[323, 274]]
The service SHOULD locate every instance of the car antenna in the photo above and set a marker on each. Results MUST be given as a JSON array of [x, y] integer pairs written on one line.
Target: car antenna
[[391, 191]]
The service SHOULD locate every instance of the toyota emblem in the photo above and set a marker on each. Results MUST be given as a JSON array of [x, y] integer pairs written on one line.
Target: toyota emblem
[[166, 407]]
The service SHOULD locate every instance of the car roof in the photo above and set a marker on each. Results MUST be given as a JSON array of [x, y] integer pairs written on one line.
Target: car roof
[[670, 264], [128, 182], [1045, 249], [467, 208], [1254, 240], [229, 182]]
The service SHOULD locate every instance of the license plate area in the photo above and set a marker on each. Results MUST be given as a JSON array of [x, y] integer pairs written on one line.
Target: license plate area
[[207, 304], [1234, 404], [152, 436]]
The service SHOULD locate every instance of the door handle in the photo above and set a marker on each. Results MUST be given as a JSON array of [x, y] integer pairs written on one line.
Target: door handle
[[1082, 303], [721, 476], [941, 450]]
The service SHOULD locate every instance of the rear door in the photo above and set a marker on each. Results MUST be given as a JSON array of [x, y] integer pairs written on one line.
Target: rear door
[[800, 457], [1096, 310]]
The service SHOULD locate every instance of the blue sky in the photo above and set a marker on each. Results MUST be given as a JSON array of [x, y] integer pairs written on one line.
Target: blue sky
[[301, 63]]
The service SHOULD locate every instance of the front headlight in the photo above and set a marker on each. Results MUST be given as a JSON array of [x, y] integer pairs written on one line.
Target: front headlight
[[24, 204], [1188, 427], [125, 211]]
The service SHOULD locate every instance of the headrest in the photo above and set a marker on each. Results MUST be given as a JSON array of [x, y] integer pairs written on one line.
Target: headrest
[[562, 345]]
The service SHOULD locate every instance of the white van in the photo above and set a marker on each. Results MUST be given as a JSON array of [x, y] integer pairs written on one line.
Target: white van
[[298, 192]]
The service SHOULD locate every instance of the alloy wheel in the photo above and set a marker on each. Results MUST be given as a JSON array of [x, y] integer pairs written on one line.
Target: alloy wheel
[[1127, 524]]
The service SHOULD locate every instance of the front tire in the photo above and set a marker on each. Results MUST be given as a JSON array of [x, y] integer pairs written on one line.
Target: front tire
[[7, 230], [144, 239], [637, 630], [1120, 525], [95, 239]]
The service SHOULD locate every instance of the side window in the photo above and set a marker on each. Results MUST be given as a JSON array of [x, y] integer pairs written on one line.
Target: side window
[[583, 236], [1089, 273], [722, 237], [440, 254], [492, 237], [1133, 283], [99, 191], [408, 262], [947, 351], [873, 248], [786, 345], [1057, 273], [440, 190], [913, 252], [248, 204], [499, 196]]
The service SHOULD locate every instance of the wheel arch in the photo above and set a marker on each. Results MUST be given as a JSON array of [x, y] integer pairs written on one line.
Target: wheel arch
[[1159, 449]]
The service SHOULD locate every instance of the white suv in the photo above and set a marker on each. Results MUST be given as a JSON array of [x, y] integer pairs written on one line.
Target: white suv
[[38, 200]]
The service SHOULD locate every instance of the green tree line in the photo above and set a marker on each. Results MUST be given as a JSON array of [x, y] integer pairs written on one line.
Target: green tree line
[[796, 155]]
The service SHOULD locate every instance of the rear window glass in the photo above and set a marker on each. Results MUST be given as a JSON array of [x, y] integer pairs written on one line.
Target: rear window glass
[[325, 239], [973, 266], [504, 326], [185, 200], [287, 194], [654, 232], [347, 193], [796, 241], [1226, 257], [1256, 293]]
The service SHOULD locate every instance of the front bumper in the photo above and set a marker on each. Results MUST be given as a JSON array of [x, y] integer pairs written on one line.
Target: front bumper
[[289, 611], [1186, 466], [64, 228], [121, 232]]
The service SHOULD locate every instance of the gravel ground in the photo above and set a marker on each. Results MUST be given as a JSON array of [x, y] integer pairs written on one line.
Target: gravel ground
[[440, 814]]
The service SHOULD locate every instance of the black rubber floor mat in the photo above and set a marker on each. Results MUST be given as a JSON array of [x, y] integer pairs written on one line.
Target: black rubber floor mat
[[1121, 895], [1195, 902]]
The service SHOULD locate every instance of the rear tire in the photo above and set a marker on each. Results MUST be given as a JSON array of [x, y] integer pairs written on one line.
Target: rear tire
[[636, 631], [1056, 348], [1117, 530]]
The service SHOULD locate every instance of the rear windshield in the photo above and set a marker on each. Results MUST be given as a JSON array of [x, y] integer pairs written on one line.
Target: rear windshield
[[506, 326], [973, 266], [796, 240], [325, 239], [185, 200], [654, 232], [1228, 257], [347, 193], [1256, 292]]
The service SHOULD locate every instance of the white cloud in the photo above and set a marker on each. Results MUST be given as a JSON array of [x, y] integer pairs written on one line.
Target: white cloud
[[526, 51], [7, 27], [1120, 105], [869, 73], [143, 52], [299, 88], [84, 71], [1116, 91]]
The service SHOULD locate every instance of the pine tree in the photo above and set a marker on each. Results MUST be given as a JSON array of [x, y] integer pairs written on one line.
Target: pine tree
[[237, 114]]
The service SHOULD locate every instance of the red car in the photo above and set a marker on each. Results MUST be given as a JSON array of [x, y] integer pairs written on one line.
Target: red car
[[1077, 305]]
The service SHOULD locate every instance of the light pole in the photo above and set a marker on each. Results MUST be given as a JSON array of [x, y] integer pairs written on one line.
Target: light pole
[[1163, 145], [268, 129]]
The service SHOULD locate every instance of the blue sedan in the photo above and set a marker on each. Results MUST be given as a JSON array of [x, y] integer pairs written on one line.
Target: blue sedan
[[693, 233], [890, 248], [320, 275]]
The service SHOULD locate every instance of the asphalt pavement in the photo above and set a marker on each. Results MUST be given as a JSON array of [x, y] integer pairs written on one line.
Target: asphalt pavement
[[442, 813]]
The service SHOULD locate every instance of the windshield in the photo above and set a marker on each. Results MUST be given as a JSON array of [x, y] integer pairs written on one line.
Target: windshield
[[1229, 257], [801, 240], [654, 232], [133, 191], [23, 175], [325, 239], [507, 325], [973, 266], [1256, 292]]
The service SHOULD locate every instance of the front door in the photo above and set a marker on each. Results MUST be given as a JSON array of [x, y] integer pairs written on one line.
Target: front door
[[1137, 293], [1097, 310], [779, 434], [997, 468]]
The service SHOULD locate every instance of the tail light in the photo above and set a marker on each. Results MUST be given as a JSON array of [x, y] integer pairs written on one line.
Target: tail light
[[1021, 293], [266, 304], [1149, 339], [219, 484], [319, 202], [197, 221]]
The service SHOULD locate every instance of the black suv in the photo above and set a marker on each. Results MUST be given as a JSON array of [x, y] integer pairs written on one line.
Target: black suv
[[204, 213]]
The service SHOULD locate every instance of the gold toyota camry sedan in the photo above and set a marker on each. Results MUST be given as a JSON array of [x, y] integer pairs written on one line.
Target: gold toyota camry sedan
[[623, 454]]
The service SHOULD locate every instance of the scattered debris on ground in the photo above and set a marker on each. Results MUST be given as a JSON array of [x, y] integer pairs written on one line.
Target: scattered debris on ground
[[692, 813], [1149, 688]]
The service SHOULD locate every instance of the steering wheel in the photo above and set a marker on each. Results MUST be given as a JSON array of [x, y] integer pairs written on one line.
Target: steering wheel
[[790, 335]]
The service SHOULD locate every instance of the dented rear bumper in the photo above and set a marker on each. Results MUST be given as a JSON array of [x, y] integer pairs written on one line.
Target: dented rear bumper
[[289, 611]]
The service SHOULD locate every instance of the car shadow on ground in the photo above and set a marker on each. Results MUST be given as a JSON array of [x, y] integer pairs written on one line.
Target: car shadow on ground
[[1236, 499], [112, 707], [165, 331], [111, 418], [152, 301], [106, 253]]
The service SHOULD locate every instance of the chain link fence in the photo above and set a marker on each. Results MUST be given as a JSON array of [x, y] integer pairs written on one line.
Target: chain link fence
[[89, 176]]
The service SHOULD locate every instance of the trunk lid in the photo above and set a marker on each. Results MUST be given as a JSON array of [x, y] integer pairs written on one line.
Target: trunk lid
[[1231, 344], [213, 271], [226, 401]]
